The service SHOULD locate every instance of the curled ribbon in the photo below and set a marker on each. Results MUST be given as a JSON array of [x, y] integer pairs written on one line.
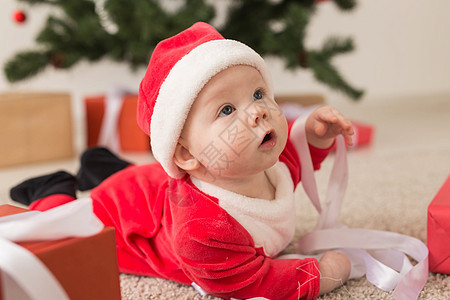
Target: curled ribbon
[[109, 132], [380, 255], [20, 268]]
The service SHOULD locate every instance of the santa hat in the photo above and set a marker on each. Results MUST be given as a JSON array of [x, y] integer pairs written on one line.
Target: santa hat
[[179, 68]]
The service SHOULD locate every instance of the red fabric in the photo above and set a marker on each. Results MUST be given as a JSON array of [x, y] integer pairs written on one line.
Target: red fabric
[[168, 228], [50, 202], [166, 54]]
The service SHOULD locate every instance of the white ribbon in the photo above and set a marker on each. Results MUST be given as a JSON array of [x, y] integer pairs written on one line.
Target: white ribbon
[[109, 132], [378, 254], [20, 268]]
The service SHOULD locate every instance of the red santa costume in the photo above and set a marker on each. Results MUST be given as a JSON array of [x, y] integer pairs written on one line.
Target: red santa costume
[[179, 228]]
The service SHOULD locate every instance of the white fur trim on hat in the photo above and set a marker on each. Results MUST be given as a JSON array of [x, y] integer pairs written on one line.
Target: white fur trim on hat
[[181, 87]]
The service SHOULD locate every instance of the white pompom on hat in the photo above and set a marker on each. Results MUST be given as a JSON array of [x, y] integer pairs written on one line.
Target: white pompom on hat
[[179, 68]]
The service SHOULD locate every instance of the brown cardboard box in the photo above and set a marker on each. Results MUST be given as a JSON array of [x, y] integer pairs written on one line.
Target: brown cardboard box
[[86, 268], [34, 127]]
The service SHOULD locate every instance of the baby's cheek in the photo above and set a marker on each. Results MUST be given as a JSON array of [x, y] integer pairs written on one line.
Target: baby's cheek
[[216, 157], [237, 136], [227, 147], [284, 133]]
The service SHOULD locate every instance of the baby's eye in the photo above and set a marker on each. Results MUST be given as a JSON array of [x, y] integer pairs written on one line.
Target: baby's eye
[[258, 95], [226, 110]]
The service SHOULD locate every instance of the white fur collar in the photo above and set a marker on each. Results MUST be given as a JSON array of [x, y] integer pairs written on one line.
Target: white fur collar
[[271, 223]]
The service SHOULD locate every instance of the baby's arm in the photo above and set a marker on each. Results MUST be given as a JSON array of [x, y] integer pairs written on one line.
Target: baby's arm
[[334, 271], [324, 124]]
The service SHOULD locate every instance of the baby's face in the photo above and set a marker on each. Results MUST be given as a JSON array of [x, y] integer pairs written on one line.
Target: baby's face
[[234, 128]]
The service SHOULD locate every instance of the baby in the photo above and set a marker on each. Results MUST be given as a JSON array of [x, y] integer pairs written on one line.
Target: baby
[[218, 207]]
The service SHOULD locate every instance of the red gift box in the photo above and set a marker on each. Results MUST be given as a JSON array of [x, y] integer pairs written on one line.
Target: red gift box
[[438, 230], [132, 138], [86, 268]]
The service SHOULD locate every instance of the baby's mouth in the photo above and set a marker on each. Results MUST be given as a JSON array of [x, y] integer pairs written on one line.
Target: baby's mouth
[[269, 139]]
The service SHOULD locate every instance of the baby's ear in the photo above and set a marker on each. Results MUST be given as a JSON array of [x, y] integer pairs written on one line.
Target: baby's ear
[[184, 159]]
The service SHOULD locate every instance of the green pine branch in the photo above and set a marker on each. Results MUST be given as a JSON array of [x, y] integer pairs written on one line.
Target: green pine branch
[[276, 28], [25, 64], [320, 64], [334, 46]]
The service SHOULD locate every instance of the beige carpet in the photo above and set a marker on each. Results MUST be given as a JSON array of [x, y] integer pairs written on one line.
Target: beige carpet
[[390, 186]]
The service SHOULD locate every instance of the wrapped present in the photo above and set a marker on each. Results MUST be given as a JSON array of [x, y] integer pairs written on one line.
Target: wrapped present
[[363, 134], [85, 267], [35, 127], [111, 122], [438, 230]]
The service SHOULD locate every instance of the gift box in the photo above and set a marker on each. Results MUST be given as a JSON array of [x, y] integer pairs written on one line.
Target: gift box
[[438, 230], [34, 127], [86, 267], [363, 134], [130, 135]]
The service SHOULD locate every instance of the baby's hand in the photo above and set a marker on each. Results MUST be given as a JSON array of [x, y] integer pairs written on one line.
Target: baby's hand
[[324, 124], [334, 271]]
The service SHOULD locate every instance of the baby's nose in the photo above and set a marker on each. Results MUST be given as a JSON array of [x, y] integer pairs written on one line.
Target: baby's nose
[[256, 114]]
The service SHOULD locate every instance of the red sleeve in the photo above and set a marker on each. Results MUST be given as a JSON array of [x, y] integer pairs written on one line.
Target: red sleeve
[[290, 157], [218, 254]]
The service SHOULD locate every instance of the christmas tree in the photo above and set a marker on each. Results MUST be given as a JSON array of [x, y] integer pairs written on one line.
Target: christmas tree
[[127, 31]]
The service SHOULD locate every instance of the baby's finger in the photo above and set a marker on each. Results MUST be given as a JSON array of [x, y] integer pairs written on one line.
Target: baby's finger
[[343, 122], [344, 127], [328, 114], [348, 138]]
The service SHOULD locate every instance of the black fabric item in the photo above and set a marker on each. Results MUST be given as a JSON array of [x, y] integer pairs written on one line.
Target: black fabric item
[[97, 164], [40, 187]]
